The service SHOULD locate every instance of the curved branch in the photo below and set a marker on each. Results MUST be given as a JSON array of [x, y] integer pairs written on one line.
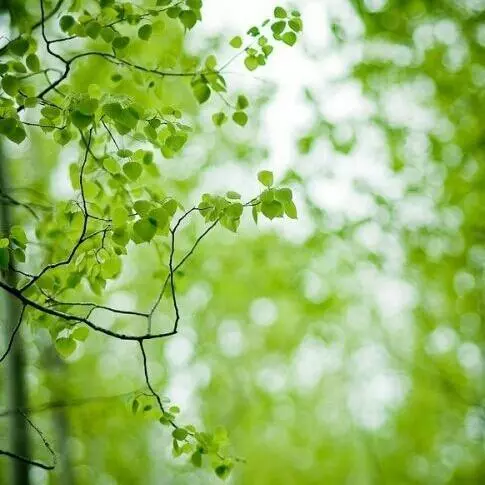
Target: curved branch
[[29, 461], [12, 337]]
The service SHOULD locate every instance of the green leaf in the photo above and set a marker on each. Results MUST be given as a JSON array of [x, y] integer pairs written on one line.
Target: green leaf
[[188, 18], [296, 24], [231, 223], [278, 27], [253, 31], [63, 137], [7, 125], [107, 34], [65, 346], [33, 63], [267, 195], [142, 207], [272, 209], [4, 258], [10, 85], [111, 165], [119, 216], [120, 42], [16, 134], [31, 102], [19, 255], [175, 142], [242, 102], [81, 120], [19, 46], [194, 4], [132, 170], [180, 434], [124, 153], [145, 229], [266, 177], [236, 42], [93, 29], [173, 12], [17, 234], [50, 112], [289, 38], [211, 62], [219, 118], [66, 22], [196, 459], [290, 210], [80, 333], [267, 50], [233, 195], [145, 32], [201, 91], [4, 242], [234, 210], [255, 213], [280, 13], [19, 67], [160, 216], [251, 62], [111, 267], [240, 117], [223, 471], [171, 206], [284, 195], [88, 106]]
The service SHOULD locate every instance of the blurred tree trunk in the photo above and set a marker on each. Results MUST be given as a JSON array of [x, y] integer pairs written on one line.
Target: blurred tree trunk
[[56, 379], [16, 387]]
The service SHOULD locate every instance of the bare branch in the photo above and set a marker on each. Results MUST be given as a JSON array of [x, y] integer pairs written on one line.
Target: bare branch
[[12, 338]]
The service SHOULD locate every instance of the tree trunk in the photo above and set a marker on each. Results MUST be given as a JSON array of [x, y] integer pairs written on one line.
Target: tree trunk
[[16, 388]]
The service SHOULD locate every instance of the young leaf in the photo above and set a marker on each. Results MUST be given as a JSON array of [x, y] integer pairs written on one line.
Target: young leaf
[[120, 42], [145, 229], [223, 471], [132, 170], [236, 42], [242, 102], [266, 177], [251, 62], [196, 459], [19, 46], [65, 346], [10, 85], [33, 62], [280, 13], [278, 27], [81, 120], [145, 32], [219, 118], [80, 333], [290, 210], [66, 22], [202, 92], [188, 18], [179, 434], [233, 195], [240, 117], [272, 209], [289, 38]]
